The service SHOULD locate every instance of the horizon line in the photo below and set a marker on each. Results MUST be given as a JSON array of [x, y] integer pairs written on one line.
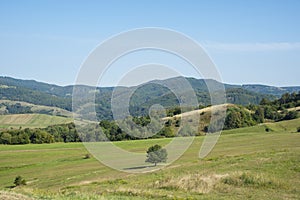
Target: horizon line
[[110, 86]]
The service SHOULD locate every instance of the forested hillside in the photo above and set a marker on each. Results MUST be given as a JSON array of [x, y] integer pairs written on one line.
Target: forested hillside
[[144, 96]]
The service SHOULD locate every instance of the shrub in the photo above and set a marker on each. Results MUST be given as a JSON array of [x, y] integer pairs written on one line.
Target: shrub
[[87, 156], [19, 181], [177, 123], [291, 115]]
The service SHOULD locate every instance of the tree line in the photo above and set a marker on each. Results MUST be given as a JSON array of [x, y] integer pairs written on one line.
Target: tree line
[[276, 110], [51, 134], [266, 110], [237, 117]]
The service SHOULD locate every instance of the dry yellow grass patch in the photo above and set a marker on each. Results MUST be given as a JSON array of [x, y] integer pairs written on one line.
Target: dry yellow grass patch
[[12, 196], [199, 183]]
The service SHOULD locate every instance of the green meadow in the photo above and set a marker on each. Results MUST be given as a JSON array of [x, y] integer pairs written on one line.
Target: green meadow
[[260, 162]]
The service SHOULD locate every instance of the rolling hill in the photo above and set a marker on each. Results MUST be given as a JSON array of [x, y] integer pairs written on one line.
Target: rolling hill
[[144, 96], [245, 163]]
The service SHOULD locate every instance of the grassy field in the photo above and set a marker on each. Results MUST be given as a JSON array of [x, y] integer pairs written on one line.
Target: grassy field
[[248, 163], [31, 120]]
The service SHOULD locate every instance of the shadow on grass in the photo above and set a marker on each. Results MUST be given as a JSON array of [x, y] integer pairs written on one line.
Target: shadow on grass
[[10, 186], [139, 167]]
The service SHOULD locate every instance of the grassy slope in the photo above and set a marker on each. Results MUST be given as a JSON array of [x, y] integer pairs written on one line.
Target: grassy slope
[[198, 111], [246, 163], [31, 120], [39, 108]]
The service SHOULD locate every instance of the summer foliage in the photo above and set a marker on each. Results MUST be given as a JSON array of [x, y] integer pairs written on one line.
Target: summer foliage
[[284, 108], [54, 133], [156, 154]]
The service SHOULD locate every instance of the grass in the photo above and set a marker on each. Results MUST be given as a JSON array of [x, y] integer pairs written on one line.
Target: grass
[[31, 120], [247, 163]]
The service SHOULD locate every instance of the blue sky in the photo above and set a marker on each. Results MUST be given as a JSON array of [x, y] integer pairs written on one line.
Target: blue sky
[[249, 41]]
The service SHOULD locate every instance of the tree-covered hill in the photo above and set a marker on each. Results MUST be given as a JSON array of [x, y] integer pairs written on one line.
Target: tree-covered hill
[[265, 89], [19, 93], [37, 86], [144, 96]]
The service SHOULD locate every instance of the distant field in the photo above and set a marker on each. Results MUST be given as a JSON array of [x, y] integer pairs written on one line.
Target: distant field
[[248, 163], [39, 108], [31, 120]]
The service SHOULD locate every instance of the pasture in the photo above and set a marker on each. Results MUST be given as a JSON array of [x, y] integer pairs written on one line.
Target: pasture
[[247, 163], [31, 120]]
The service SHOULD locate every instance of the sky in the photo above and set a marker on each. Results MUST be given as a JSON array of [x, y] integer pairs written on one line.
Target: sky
[[250, 42]]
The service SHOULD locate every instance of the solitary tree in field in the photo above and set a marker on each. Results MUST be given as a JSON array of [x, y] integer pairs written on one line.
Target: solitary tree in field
[[156, 154]]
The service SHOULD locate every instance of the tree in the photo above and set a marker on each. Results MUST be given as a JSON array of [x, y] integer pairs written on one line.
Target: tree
[[166, 132], [19, 181], [5, 138], [285, 98], [156, 154], [259, 115], [265, 101], [291, 115], [233, 120]]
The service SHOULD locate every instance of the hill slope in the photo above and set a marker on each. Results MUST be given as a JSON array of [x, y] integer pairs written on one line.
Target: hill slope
[[251, 164], [31, 121], [20, 107]]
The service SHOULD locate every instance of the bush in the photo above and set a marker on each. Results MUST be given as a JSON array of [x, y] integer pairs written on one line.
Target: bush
[[298, 129], [87, 156], [5, 138], [177, 123], [166, 132], [291, 115], [268, 129], [19, 181]]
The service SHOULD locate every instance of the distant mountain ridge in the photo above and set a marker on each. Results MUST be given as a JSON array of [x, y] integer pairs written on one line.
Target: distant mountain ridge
[[272, 90], [63, 91], [145, 95], [60, 91]]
